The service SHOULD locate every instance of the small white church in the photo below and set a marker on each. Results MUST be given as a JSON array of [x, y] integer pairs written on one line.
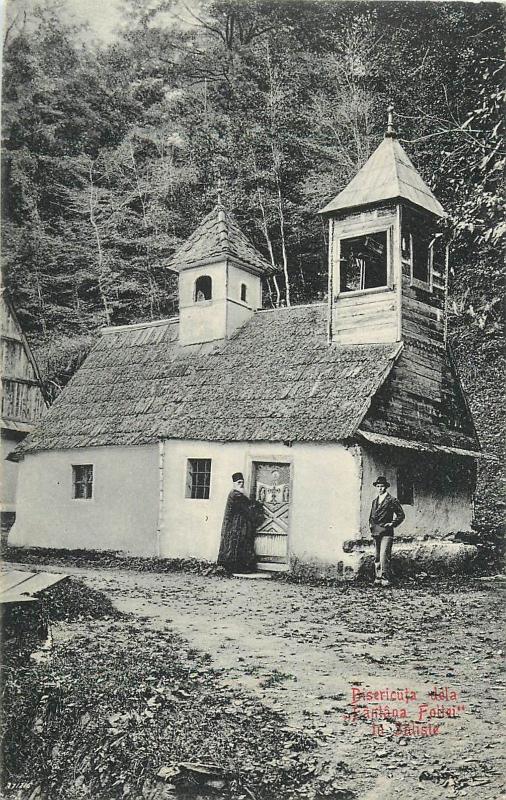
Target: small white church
[[310, 402]]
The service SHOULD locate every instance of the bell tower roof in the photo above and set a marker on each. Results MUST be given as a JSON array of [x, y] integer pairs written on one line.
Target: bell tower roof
[[387, 175], [217, 238]]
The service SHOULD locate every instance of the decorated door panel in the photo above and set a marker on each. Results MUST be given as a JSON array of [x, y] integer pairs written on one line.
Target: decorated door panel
[[271, 488]]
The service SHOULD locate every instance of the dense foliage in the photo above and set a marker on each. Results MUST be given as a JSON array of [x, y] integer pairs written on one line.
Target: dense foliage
[[112, 151]]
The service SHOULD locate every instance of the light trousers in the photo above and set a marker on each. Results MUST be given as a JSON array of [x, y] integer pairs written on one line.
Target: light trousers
[[383, 556]]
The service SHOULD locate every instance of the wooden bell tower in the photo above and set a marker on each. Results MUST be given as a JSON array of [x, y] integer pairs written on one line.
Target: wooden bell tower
[[386, 266]]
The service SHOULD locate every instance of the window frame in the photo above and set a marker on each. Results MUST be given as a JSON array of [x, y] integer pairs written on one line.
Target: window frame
[[191, 487], [86, 483], [244, 291], [427, 285], [367, 230], [196, 289]]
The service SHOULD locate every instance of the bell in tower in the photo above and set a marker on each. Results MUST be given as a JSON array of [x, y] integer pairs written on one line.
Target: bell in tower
[[386, 275]]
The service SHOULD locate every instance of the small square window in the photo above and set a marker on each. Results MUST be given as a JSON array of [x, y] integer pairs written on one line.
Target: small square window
[[198, 478], [82, 481], [405, 487]]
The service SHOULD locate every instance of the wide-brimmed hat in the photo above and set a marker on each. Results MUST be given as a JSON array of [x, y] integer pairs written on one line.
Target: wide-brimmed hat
[[237, 476], [381, 479]]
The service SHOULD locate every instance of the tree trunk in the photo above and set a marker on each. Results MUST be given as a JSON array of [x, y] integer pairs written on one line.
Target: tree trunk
[[100, 257]]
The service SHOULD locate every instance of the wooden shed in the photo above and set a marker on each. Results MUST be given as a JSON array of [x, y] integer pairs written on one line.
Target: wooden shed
[[23, 402]]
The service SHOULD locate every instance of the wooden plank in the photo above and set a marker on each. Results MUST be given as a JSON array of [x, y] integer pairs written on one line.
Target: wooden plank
[[407, 371], [370, 335], [420, 356], [381, 296], [423, 323], [348, 312], [12, 578], [14, 598], [28, 583], [41, 581], [425, 336], [415, 408], [405, 415], [435, 298], [420, 386], [368, 321], [420, 307], [352, 320], [364, 217]]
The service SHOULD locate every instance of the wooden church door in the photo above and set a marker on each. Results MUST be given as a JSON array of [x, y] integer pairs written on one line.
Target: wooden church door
[[271, 488]]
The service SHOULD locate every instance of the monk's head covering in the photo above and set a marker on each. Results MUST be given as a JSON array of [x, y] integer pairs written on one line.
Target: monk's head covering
[[237, 476]]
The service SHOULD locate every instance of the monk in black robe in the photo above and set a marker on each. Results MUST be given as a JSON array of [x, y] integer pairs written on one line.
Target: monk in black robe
[[237, 553]]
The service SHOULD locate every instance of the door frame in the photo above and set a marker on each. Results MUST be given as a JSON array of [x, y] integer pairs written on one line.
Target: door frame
[[271, 458]]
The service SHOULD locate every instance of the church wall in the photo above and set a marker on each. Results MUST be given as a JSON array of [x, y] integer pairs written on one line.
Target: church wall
[[236, 277], [9, 470], [326, 502], [121, 515], [204, 321], [443, 489], [324, 508]]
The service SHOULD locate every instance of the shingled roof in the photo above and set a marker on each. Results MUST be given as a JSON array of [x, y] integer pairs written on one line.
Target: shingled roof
[[275, 379], [387, 175], [219, 237]]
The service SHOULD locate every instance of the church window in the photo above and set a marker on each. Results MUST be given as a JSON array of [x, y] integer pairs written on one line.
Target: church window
[[420, 257], [198, 478], [203, 288], [244, 292], [364, 262], [417, 244], [82, 481], [405, 487]]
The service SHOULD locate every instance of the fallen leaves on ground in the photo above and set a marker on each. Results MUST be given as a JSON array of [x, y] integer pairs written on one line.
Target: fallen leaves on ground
[[123, 710]]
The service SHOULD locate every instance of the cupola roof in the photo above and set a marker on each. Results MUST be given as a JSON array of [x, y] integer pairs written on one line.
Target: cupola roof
[[387, 175], [219, 237]]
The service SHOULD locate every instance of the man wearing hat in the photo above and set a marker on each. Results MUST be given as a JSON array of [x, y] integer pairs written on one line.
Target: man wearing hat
[[386, 514], [237, 553]]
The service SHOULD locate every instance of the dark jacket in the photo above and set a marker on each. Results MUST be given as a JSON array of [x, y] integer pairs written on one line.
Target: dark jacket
[[390, 510]]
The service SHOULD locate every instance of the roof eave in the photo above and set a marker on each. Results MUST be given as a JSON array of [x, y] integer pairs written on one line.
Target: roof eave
[[268, 269], [398, 441], [329, 209]]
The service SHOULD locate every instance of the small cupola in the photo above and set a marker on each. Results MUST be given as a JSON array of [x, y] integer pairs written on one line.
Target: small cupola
[[382, 248], [219, 278]]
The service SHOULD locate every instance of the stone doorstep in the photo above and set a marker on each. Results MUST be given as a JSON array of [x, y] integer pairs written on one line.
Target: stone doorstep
[[253, 576]]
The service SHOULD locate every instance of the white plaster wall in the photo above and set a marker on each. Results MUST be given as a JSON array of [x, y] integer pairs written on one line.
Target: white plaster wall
[[237, 315], [122, 515], [324, 499], [326, 509], [204, 321], [188, 277], [440, 506], [8, 477], [236, 277]]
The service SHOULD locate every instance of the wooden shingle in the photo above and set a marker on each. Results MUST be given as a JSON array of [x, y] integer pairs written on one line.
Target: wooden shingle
[[219, 237], [387, 175]]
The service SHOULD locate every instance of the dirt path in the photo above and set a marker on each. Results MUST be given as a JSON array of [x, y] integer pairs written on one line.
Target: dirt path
[[301, 649]]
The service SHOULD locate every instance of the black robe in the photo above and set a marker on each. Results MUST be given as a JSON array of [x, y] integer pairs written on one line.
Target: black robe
[[237, 553]]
